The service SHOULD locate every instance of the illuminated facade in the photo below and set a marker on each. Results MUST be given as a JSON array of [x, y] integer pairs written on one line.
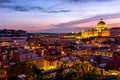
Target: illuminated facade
[[44, 64], [49, 61], [51, 64], [104, 53], [101, 25], [99, 41], [101, 30]]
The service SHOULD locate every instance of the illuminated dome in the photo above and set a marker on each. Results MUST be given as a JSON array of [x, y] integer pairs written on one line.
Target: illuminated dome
[[101, 25]]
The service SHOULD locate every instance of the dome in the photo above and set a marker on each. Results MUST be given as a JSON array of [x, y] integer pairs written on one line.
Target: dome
[[101, 25]]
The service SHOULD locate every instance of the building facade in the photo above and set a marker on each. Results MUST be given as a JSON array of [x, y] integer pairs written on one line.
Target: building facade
[[115, 31], [101, 30]]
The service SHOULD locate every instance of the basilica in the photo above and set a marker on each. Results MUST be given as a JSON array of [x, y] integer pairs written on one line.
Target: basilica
[[101, 30]]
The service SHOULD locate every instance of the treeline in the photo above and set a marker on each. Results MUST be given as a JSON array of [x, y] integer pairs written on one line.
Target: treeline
[[11, 33], [80, 71]]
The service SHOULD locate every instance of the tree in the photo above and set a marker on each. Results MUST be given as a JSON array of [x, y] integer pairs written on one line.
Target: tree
[[59, 73], [20, 33], [30, 70]]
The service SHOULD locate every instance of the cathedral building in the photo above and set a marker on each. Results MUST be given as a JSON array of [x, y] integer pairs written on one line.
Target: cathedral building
[[101, 25], [101, 30]]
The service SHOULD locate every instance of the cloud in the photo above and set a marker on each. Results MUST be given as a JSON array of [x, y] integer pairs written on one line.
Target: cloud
[[95, 18], [59, 11], [26, 8], [20, 8], [31, 27], [84, 1], [64, 30], [71, 26], [5, 1], [16, 6], [37, 8]]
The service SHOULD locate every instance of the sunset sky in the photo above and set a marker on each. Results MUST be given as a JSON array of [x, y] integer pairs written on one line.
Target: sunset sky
[[58, 15]]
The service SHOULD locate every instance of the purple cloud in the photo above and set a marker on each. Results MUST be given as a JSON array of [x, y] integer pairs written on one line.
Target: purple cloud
[[70, 26], [104, 16]]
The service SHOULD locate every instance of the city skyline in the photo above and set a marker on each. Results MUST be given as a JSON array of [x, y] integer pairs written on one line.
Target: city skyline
[[58, 15]]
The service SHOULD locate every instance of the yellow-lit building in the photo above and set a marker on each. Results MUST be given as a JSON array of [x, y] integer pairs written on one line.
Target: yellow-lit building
[[44, 64], [104, 53], [51, 64], [101, 30]]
